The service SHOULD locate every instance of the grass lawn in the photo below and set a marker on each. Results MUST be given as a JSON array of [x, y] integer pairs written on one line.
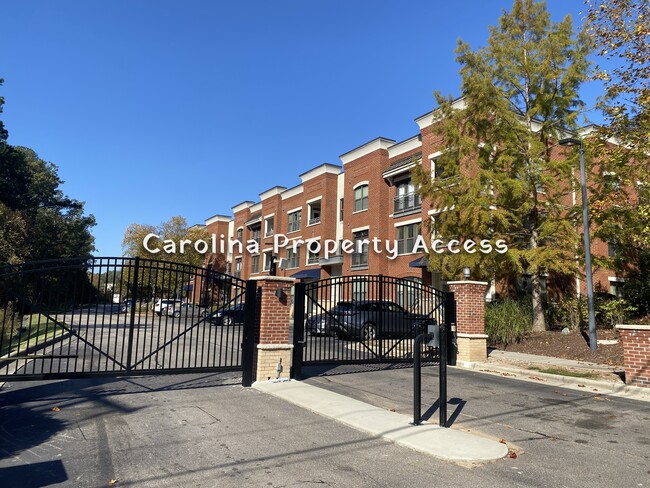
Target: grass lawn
[[38, 328]]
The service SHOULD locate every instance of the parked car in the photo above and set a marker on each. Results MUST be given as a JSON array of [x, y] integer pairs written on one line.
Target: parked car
[[228, 316], [321, 324], [377, 319], [186, 310], [161, 305]]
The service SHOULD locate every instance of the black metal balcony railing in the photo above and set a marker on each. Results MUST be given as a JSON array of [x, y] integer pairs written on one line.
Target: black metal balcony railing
[[313, 259], [314, 220], [407, 203]]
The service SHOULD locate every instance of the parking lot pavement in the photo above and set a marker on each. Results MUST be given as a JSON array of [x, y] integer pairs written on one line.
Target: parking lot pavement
[[207, 431], [194, 431], [560, 436]]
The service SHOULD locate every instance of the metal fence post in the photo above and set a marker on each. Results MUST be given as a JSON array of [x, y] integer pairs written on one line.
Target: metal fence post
[[380, 324], [450, 323], [443, 376], [248, 344], [134, 300], [298, 330]]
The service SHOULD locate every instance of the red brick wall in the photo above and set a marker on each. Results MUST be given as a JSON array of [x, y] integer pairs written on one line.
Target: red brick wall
[[636, 351], [470, 306], [272, 315]]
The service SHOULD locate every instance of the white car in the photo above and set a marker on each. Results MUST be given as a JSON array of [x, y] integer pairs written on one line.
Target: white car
[[161, 306]]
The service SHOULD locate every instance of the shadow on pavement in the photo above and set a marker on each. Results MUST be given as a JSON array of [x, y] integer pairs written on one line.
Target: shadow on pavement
[[35, 475]]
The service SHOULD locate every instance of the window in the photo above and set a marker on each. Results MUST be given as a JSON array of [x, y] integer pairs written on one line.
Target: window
[[268, 226], [360, 259], [611, 181], [406, 198], [312, 257], [237, 267], [255, 263], [616, 286], [441, 171], [293, 258], [294, 221], [257, 233], [341, 210], [228, 267], [240, 234], [406, 236], [359, 290], [314, 212], [267, 261], [361, 198], [612, 249]]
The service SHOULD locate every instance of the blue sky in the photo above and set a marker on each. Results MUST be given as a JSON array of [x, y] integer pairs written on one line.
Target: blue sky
[[155, 108]]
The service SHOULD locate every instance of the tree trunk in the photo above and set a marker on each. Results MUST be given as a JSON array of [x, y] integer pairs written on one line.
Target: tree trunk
[[539, 321]]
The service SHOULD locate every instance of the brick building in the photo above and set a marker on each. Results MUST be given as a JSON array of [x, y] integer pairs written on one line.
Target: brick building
[[369, 196]]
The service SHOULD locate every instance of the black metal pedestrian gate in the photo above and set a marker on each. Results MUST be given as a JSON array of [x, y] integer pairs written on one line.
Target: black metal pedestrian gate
[[122, 316], [368, 319]]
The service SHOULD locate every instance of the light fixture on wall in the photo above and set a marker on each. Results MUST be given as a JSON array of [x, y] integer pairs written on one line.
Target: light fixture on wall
[[466, 272], [279, 292]]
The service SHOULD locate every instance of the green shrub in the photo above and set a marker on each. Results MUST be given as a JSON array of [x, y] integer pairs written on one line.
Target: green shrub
[[612, 312], [507, 321]]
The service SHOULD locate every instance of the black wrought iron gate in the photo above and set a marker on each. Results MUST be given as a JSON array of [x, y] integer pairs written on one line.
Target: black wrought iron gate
[[368, 319], [121, 316]]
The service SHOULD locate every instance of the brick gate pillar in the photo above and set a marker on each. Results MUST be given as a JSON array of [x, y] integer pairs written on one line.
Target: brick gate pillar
[[272, 324], [636, 354], [470, 319]]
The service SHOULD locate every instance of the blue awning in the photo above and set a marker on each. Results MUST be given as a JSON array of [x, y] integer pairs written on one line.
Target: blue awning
[[421, 262], [309, 274]]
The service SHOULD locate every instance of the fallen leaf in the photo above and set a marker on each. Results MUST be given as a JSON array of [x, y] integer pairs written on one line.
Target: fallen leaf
[[391, 409], [56, 409], [581, 386], [502, 441], [112, 482], [595, 389], [512, 455]]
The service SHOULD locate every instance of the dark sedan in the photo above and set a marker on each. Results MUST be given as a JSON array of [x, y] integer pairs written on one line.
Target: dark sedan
[[228, 316], [377, 319]]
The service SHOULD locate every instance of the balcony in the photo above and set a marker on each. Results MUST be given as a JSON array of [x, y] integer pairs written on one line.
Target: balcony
[[314, 220], [408, 203]]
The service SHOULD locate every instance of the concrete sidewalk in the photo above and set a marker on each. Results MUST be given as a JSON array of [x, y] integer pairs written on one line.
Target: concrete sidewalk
[[447, 444]]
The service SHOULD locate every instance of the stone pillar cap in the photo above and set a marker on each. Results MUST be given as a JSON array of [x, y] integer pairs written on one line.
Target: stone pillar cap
[[467, 282]]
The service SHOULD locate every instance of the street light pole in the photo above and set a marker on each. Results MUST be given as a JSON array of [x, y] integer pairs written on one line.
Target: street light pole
[[593, 342]]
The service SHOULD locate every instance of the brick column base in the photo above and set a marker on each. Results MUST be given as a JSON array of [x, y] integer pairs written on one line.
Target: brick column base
[[470, 320], [472, 348], [636, 354], [267, 358], [272, 324]]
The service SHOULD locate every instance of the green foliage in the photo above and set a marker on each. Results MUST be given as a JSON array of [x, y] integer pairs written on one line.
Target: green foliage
[[507, 321], [621, 213], [637, 285], [612, 312], [517, 93]]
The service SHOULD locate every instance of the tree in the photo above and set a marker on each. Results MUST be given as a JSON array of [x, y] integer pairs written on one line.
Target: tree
[[159, 280], [173, 230], [621, 32], [499, 176]]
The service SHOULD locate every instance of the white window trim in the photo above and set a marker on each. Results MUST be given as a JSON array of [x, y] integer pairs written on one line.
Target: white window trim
[[408, 222], [359, 229], [361, 183], [294, 210], [312, 200]]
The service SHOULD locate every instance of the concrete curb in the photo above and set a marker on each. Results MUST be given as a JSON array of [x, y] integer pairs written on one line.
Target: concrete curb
[[614, 388], [447, 444]]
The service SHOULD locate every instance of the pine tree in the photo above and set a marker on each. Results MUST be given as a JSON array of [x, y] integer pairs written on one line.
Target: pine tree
[[500, 175]]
